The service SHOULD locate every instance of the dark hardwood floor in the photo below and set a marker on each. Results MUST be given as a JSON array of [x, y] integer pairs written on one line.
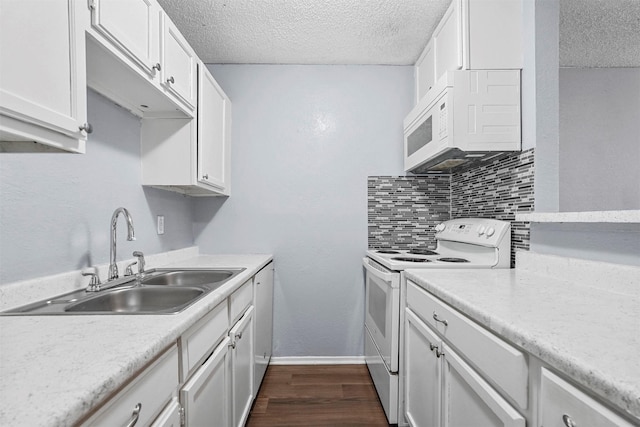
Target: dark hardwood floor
[[317, 395]]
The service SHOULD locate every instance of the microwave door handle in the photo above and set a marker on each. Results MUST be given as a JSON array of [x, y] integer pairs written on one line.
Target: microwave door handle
[[387, 277]]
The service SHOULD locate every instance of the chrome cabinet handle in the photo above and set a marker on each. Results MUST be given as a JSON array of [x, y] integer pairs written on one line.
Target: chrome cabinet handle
[[157, 67], [439, 353], [135, 415], [205, 176], [232, 344], [239, 335], [432, 347], [435, 317], [171, 80], [86, 127], [566, 419]]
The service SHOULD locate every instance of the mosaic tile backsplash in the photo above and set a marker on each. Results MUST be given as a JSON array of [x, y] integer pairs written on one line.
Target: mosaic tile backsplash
[[403, 210]]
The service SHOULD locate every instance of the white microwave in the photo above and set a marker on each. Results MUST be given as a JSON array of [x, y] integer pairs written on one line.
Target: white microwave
[[467, 115]]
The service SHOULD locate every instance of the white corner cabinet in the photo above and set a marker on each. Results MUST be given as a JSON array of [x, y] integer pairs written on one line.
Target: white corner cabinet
[[457, 373], [187, 156], [208, 374], [42, 77], [472, 35]]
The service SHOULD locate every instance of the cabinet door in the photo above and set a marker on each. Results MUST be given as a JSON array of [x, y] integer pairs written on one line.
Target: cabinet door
[[42, 71], [447, 39], [423, 365], [214, 132], [132, 26], [264, 323], [469, 400], [242, 367], [425, 71], [178, 64], [205, 397]]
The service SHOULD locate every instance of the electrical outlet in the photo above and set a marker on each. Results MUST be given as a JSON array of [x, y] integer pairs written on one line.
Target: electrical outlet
[[160, 224]]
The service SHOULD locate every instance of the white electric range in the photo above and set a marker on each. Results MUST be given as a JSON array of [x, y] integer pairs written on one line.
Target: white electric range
[[460, 243]]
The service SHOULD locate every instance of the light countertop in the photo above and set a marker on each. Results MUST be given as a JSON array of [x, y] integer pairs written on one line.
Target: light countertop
[[587, 329], [55, 369]]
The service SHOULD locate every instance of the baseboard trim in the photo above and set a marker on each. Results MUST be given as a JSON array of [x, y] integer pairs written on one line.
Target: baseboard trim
[[316, 360]]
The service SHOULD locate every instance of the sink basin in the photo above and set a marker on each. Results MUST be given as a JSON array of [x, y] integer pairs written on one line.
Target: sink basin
[[160, 291], [151, 299], [188, 277]]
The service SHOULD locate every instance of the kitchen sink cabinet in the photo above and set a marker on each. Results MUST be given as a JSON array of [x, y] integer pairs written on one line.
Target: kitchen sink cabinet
[[145, 397], [192, 157], [263, 301], [472, 35], [242, 344], [43, 77], [205, 397]]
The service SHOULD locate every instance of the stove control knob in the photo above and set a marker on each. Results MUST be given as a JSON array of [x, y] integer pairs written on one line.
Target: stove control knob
[[490, 231], [481, 230], [440, 227]]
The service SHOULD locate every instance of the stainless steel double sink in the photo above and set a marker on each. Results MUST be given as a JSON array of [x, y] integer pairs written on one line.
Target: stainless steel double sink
[[159, 291]]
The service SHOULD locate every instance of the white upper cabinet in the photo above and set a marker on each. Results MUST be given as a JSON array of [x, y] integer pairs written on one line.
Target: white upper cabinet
[[472, 35], [178, 64], [425, 71], [214, 133], [191, 156], [131, 25], [42, 76], [447, 40], [127, 53]]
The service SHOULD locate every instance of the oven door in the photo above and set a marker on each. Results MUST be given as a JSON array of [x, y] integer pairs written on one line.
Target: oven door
[[382, 311]]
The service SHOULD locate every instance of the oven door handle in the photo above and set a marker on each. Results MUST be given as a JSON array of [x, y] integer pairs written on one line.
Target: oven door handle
[[387, 277]]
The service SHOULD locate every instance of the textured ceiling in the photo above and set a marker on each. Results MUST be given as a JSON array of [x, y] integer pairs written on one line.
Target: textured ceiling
[[307, 31], [596, 33]]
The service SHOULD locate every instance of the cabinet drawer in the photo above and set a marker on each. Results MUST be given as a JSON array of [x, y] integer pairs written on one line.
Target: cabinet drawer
[[505, 365], [240, 300], [562, 404], [198, 342], [152, 390]]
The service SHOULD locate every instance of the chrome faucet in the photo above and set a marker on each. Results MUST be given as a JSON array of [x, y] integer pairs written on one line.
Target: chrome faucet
[[113, 268]]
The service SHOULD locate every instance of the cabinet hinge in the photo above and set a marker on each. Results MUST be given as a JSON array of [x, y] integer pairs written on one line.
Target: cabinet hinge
[[183, 421]]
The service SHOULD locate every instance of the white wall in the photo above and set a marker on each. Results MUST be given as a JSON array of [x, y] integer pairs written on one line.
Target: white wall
[[599, 139], [305, 138], [55, 209]]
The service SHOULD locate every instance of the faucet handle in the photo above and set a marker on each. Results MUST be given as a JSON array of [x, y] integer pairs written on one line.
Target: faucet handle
[[141, 262], [94, 283], [129, 270]]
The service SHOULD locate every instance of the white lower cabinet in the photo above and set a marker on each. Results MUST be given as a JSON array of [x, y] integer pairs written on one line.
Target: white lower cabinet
[[469, 400], [144, 398], [423, 368], [562, 404], [205, 396], [242, 342], [441, 389]]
